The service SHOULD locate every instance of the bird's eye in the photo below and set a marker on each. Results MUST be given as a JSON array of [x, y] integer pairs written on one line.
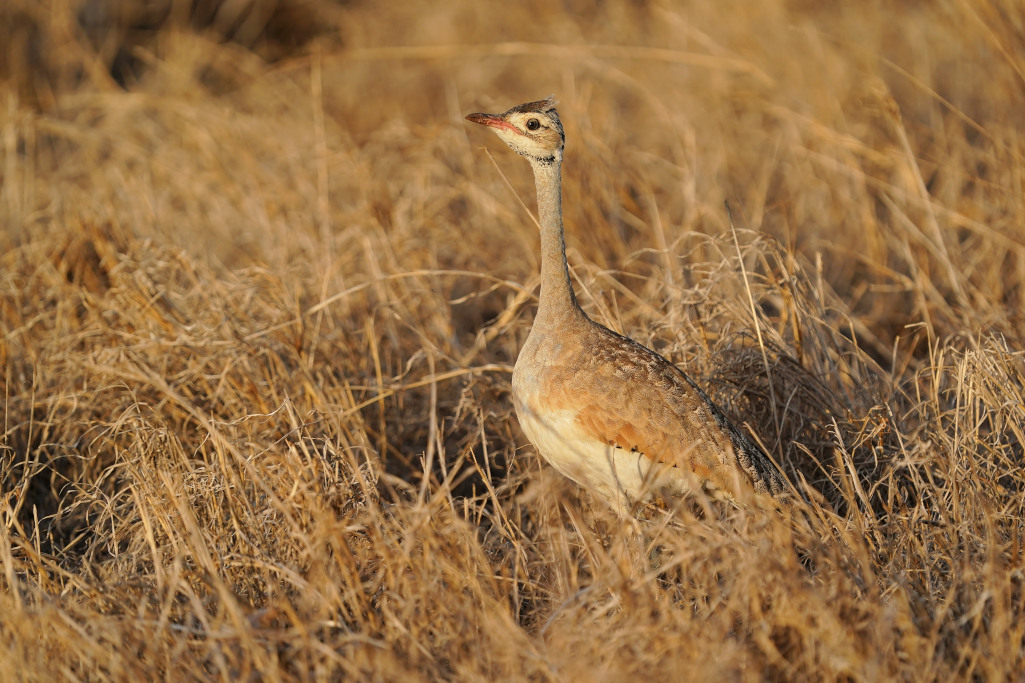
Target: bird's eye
[[533, 124]]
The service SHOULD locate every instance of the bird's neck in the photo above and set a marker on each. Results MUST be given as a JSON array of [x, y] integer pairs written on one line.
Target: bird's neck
[[557, 302]]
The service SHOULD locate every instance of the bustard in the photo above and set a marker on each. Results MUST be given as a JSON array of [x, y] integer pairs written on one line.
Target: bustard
[[604, 410]]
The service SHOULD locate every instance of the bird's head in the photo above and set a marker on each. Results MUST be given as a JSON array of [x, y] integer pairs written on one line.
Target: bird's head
[[533, 130]]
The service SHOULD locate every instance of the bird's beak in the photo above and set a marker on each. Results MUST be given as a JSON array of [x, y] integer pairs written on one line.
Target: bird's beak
[[491, 121]]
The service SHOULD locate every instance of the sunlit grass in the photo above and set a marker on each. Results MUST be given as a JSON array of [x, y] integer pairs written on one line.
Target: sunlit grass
[[261, 298]]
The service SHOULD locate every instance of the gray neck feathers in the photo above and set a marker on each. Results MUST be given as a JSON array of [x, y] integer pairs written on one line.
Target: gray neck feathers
[[557, 298]]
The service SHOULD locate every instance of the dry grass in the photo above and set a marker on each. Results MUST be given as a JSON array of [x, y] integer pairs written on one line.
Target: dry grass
[[261, 290]]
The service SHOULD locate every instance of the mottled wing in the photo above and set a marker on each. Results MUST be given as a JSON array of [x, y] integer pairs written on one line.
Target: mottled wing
[[639, 401]]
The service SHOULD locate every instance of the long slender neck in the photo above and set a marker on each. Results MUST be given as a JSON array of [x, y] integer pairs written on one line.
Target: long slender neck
[[557, 298]]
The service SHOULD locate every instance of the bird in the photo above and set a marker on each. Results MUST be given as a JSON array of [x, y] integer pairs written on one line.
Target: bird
[[602, 409]]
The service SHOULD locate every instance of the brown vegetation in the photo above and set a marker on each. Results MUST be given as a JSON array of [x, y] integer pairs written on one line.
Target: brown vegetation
[[261, 289]]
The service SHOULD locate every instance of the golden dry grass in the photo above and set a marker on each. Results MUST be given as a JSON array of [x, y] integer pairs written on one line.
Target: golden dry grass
[[261, 290]]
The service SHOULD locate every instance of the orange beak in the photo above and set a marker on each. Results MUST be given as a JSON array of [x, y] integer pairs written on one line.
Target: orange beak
[[491, 121]]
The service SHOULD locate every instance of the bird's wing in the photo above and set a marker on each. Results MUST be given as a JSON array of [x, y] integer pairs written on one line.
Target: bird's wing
[[629, 397]]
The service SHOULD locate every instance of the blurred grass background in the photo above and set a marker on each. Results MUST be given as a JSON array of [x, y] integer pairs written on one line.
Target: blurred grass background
[[261, 290]]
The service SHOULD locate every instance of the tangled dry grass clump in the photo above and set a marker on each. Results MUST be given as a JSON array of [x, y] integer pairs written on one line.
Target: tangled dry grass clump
[[261, 291]]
